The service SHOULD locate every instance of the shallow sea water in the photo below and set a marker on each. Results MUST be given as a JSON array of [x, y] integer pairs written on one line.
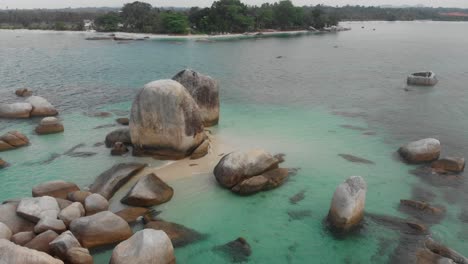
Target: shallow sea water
[[299, 105]]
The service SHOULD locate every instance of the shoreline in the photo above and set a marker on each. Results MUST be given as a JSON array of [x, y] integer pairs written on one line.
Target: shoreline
[[127, 36]]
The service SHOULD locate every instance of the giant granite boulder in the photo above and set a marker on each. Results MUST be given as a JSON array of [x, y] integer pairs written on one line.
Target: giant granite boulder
[[111, 180], [347, 206], [16, 110], [14, 254], [145, 246], [424, 150], [165, 121], [41, 107], [238, 166], [150, 190], [205, 91], [100, 229]]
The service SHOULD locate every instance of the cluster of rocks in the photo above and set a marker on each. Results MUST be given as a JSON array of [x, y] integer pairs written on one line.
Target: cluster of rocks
[[168, 118], [428, 150], [33, 106], [13, 140], [60, 222], [250, 172]]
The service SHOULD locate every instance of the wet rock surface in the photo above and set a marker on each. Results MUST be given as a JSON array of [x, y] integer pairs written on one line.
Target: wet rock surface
[[237, 250], [179, 234]]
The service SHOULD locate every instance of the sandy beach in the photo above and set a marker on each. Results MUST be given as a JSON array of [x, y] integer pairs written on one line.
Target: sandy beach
[[177, 170]]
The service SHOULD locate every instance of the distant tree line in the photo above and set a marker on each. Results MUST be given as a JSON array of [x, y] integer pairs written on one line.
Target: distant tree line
[[224, 16]]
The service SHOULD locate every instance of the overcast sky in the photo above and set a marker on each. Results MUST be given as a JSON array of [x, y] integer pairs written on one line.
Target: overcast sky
[[12, 4]]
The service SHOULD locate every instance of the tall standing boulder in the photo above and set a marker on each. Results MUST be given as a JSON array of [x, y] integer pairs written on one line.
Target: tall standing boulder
[[150, 190], [238, 166], [16, 110], [145, 246], [100, 229], [347, 206], [165, 121], [57, 189], [424, 150], [41, 107], [14, 254], [205, 92]]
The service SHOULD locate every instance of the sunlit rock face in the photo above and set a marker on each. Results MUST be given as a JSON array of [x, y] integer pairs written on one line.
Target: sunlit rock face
[[165, 121]]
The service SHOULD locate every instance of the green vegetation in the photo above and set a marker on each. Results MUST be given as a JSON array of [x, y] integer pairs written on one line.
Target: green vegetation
[[224, 16]]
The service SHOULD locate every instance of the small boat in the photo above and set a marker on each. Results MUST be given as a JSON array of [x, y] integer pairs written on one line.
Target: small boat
[[422, 78]]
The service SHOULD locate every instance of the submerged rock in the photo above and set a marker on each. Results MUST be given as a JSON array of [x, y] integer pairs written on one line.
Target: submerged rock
[[131, 214], [424, 150], [445, 252], [49, 125], [119, 135], [57, 189], [119, 149], [14, 254], [34, 209], [150, 190], [3, 164], [16, 110], [145, 246], [422, 211], [179, 234], [111, 180], [448, 165], [165, 121], [23, 92], [238, 166], [123, 121], [16, 223], [205, 91], [95, 203], [100, 229], [347, 206], [297, 197], [237, 250], [355, 159], [41, 107]]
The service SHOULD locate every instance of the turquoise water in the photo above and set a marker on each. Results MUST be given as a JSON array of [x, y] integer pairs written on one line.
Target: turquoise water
[[295, 105]]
